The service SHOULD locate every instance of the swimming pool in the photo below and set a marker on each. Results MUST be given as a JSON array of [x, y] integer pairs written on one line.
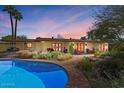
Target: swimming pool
[[31, 74]]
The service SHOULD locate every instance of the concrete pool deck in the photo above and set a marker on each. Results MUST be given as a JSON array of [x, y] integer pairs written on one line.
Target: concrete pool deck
[[76, 78]]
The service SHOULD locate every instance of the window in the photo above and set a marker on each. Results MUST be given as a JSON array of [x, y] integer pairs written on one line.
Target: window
[[79, 46], [29, 45], [57, 46]]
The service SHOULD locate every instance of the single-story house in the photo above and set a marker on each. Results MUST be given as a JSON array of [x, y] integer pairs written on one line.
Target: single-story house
[[42, 44]]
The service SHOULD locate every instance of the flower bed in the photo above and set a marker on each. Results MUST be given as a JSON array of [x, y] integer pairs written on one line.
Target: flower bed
[[52, 55], [25, 55]]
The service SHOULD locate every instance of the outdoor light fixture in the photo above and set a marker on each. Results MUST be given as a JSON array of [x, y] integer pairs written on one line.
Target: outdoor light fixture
[[42, 41], [86, 44]]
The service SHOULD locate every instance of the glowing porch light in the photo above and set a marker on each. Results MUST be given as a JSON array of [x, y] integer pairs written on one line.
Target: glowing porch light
[[42, 41]]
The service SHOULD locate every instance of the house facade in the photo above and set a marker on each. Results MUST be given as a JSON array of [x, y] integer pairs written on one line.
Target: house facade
[[42, 44]]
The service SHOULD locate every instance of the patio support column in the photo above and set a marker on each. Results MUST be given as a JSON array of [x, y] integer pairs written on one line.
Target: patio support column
[[99, 47], [85, 47]]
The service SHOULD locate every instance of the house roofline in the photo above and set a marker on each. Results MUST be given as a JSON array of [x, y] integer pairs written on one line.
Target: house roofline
[[54, 39]]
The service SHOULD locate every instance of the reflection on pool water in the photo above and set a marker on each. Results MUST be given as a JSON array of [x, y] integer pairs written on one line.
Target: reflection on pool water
[[30, 74]]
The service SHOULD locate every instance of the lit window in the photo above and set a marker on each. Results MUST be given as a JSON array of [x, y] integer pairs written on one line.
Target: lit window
[[57, 46], [29, 45], [79, 46]]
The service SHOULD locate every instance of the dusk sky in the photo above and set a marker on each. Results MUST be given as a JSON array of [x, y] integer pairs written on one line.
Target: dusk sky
[[47, 21]]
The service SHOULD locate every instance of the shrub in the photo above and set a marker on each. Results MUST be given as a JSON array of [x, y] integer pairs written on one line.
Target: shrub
[[12, 49], [55, 54], [85, 65], [43, 55], [71, 49], [24, 55], [110, 70], [118, 47], [118, 55], [3, 54], [50, 49], [101, 54], [35, 56], [49, 55], [64, 57], [118, 51]]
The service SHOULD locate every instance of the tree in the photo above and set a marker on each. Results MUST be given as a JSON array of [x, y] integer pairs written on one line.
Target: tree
[[38, 37], [83, 38], [90, 35], [18, 17], [10, 9], [14, 13], [8, 38], [22, 37], [109, 24], [71, 48]]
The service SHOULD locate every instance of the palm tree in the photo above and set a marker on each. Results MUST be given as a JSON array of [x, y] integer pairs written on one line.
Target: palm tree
[[10, 9], [18, 17]]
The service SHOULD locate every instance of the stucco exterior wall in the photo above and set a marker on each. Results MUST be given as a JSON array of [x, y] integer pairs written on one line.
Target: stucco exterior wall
[[4, 46], [43, 45], [20, 45]]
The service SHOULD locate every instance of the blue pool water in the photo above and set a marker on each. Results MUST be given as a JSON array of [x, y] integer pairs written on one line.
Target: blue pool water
[[31, 74]]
